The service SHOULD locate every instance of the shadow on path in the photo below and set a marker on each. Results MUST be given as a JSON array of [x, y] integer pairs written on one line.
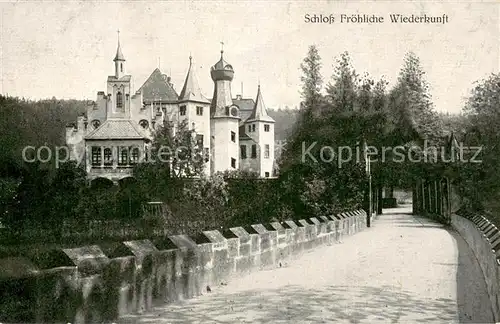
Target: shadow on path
[[367, 290], [294, 304]]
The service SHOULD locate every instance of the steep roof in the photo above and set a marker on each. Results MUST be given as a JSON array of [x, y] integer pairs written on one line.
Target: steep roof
[[259, 112], [116, 129], [156, 87], [119, 55], [222, 64], [245, 106], [191, 90]]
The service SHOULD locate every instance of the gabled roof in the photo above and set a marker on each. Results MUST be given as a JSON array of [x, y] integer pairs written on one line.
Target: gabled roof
[[156, 87], [259, 112], [191, 90], [116, 129], [245, 106]]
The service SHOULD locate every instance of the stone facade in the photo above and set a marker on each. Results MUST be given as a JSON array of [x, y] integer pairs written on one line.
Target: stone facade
[[117, 129]]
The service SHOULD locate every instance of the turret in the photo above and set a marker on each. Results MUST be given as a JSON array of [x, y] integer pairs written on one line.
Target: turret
[[224, 119], [222, 74], [119, 61]]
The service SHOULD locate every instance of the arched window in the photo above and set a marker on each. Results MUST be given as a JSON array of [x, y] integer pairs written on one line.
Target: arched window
[[119, 100], [108, 157], [121, 67]]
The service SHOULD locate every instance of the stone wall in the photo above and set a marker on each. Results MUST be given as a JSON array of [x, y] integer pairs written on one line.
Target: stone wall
[[91, 284], [484, 239]]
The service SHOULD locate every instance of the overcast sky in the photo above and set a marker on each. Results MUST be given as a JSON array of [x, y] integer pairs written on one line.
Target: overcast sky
[[65, 49]]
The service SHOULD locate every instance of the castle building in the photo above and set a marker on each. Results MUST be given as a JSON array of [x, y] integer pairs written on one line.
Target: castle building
[[117, 130]]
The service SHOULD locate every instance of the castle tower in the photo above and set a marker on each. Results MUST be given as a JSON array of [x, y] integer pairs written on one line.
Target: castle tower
[[260, 127], [119, 87], [194, 108], [224, 119]]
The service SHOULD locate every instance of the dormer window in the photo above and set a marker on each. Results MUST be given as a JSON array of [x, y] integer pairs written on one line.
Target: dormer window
[[119, 100]]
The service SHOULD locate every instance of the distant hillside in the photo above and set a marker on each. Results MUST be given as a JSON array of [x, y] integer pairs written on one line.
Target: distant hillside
[[34, 123], [285, 120]]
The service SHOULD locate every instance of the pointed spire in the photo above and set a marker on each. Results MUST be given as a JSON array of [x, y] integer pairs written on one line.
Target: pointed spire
[[191, 90], [259, 112], [119, 55]]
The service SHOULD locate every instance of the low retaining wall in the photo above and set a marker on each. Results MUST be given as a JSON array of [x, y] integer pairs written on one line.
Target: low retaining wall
[[484, 239], [90, 284]]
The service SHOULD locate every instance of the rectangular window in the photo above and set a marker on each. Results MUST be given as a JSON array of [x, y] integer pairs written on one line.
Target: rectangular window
[[266, 151], [266, 174], [182, 110], [253, 128], [122, 156], [233, 137], [254, 151], [266, 128], [249, 128], [134, 156], [199, 111], [199, 140], [233, 163], [96, 156], [243, 149]]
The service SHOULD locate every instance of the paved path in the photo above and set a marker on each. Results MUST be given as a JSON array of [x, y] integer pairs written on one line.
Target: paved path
[[404, 269]]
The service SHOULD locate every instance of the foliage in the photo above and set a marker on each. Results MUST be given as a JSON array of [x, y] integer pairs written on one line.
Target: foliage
[[479, 182], [175, 148], [311, 79]]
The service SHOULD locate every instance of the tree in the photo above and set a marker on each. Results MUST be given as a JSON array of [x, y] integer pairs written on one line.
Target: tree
[[479, 182], [179, 150], [341, 91], [412, 98], [312, 80]]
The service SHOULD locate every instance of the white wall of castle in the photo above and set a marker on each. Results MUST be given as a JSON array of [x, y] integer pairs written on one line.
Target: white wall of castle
[[223, 148], [262, 163]]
